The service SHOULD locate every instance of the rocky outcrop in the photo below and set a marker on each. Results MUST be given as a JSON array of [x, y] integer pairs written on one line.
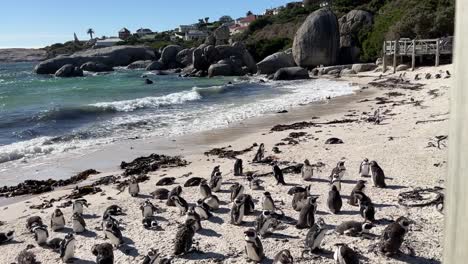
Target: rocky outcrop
[[112, 56], [95, 67], [317, 40], [350, 26], [347, 72], [155, 66], [363, 67], [219, 69], [169, 56], [275, 62], [69, 70], [222, 35], [327, 70], [291, 73], [185, 57], [141, 64]]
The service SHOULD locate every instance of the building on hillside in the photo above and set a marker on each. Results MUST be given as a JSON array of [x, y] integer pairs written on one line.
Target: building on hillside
[[186, 28], [107, 42], [321, 3], [143, 32], [195, 35], [245, 21], [124, 33]]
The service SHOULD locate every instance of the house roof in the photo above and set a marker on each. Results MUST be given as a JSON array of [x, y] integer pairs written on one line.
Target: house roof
[[248, 19], [124, 30], [144, 30]]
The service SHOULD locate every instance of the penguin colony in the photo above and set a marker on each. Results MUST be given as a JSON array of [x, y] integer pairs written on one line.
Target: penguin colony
[[268, 214]]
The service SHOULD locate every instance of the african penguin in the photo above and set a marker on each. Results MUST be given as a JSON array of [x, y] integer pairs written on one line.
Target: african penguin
[[334, 200], [253, 246], [184, 238], [238, 170], [57, 220], [192, 215], [166, 181], [78, 206], [360, 185], [180, 203], [260, 153], [113, 233], [345, 255], [337, 183], [283, 257], [212, 201], [6, 237], [133, 187], [176, 191], [32, 222], [67, 248], [307, 214], [108, 218], [150, 223], [267, 202], [278, 173], [205, 190], [300, 195], [236, 190], [192, 182], [307, 171], [203, 210], [366, 208], [154, 257], [378, 175], [353, 228], [78, 223], [364, 168], [216, 182], [393, 236], [114, 210], [249, 205], [264, 223], [237, 212], [315, 236], [338, 171], [254, 182], [104, 253], [40, 234], [160, 194], [215, 171], [55, 244], [148, 209]]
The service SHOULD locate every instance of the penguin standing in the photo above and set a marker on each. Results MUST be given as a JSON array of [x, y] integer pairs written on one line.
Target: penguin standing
[[307, 171], [254, 182], [264, 223], [184, 238], [267, 202], [237, 212], [6, 237], [278, 173], [104, 253], [337, 183], [176, 191], [113, 233], [360, 186], [78, 223], [236, 190], [203, 210], [57, 220], [205, 190], [315, 236], [283, 257], [307, 214], [249, 205], [300, 195], [345, 255], [181, 204], [67, 248], [338, 171], [378, 175], [366, 208], [260, 154], [364, 168], [353, 228], [215, 171], [133, 187], [334, 200], [192, 215], [216, 182], [238, 170], [393, 236], [78, 206], [147, 209], [253, 246], [212, 201], [40, 234], [107, 217]]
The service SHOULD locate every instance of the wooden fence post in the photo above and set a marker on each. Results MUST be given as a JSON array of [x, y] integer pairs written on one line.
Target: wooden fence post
[[413, 56], [395, 51], [437, 53], [384, 61]]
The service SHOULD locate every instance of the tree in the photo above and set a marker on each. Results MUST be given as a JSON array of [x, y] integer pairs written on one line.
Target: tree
[[206, 20], [225, 19], [90, 32], [249, 13]]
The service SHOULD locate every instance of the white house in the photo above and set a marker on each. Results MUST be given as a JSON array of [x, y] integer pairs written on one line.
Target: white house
[[195, 34], [187, 28], [143, 32]]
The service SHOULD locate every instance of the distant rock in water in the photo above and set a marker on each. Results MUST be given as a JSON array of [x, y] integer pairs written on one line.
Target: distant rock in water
[[69, 70], [317, 41], [155, 66], [141, 64], [112, 56], [95, 67], [148, 81], [291, 73]]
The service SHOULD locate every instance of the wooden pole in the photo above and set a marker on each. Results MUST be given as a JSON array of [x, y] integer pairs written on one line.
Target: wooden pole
[[437, 53], [413, 56], [456, 202], [384, 62], [395, 51]]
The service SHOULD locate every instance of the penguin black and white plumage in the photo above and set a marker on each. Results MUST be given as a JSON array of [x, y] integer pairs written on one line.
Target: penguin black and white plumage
[[307, 214], [360, 186], [278, 173], [67, 248], [150, 223], [345, 255], [194, 181], [148, 209], [55, 244], [215, 171], [394, 235], [180, 203], [176, 191], [260, 154], [78, 206], [283, 257], [133, 187], [166, 181], [205, 190], [249, 205], [364, 168], [212, 201], [160, 194], [104, 253], [192, 215], [78, 223], [300, 195], [184, 238], [253, 246], [237, 211], [40, 234], [378, 175], [366, 208], [255, 183], [315, 236], [107, 217], [216, 182], [307, 171], [114, 210], [338, 171], [203, 210], [113, 233], [32, 222], [57, 220], [264, 223], [353, 228], [337, 183], [236, 190], [334, 200], [267, 202], [154, 257], [6, 237], [238, 170]]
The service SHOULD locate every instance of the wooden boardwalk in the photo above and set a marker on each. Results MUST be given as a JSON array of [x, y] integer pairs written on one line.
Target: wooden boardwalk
[[416, 47]]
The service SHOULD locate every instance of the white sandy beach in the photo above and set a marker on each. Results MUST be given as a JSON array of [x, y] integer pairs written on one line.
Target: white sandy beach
[[398, 144]]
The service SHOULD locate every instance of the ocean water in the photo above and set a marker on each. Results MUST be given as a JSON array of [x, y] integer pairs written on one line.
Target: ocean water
[[42, 116]]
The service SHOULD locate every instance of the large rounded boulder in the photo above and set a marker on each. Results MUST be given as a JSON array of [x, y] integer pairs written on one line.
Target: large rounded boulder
[[291, 73], [317, 41], [185, 57], [155, 66], [219, 69], [275, 62], [350, 26], [142, 64], [169, 56]]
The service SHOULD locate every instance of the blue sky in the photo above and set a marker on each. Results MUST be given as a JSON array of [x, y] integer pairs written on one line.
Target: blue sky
[[37, 23]]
